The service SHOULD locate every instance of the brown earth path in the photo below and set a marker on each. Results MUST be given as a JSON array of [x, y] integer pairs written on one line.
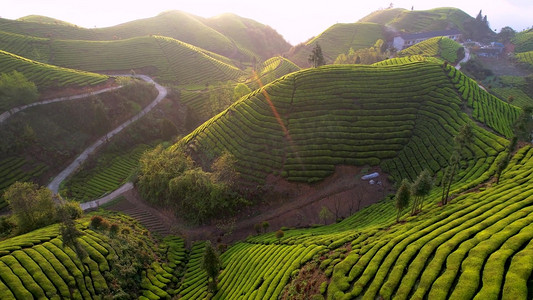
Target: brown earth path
[[296, 205]]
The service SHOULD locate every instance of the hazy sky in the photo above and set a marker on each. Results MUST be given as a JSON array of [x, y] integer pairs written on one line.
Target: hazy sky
[[296, 20]]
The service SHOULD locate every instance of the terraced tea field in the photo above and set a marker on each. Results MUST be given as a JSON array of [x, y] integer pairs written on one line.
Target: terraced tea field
[[338, 39], [441, 47], [477, 247], [85, 186], [39, 265], [46, 76], [168, 59], [398, 116], [526, 58], [17, 169]]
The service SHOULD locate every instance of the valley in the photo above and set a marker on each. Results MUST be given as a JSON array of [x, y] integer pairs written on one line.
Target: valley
[[183, 157]]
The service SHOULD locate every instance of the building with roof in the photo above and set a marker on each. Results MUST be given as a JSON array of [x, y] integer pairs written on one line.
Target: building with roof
[[408, 39]]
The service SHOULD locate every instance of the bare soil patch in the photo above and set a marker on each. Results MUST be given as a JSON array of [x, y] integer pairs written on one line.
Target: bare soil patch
[[289, 204]]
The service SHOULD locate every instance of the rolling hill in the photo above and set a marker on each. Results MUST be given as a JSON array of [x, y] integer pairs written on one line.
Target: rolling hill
[[419, 20], [169, 59], [47, 76], [227, 35], [251, 37], [441, 47], [301, 126], [338, 39]]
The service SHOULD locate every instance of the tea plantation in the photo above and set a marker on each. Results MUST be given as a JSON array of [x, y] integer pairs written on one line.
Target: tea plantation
[[47, 76], [401, 117], [441, 47]]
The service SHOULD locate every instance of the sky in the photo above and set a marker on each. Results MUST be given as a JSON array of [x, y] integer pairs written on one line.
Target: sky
[[295, 20]]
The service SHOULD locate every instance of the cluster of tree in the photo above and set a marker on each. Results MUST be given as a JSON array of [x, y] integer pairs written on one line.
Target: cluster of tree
[[316, 58], [475, 69], [461, 141], [16, 90], [418, 190], [170, 178], [366, 56], [221, 96], [478, 29], [33, 207]]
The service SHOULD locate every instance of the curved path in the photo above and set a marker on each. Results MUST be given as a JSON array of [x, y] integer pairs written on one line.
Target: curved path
[[5, 115], [54, 185], [465, 59]]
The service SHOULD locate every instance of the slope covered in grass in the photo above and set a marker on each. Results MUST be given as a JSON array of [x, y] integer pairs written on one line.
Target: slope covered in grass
[[338, 39], [441, 47], [401, 117]]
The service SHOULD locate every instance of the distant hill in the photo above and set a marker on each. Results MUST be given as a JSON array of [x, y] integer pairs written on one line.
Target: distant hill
[[419, 20], [250, 35], [169, 59], [355, 115], [238, 38], [44, 20], [436, 19], [338, 39]]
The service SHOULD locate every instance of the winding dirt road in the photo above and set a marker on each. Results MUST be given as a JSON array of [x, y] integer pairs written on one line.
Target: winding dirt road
[[54, 185], [465, 59]]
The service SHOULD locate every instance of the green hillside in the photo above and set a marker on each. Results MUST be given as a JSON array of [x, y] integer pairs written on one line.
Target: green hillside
[[419, 20], [168, 59], [441, 47], [44, 20], [250, 36], [523, 41], [274, 68], [338, 39], [228, 35], [39, 265], [479, 246], [525, 58], [400, 117], [47, 76]]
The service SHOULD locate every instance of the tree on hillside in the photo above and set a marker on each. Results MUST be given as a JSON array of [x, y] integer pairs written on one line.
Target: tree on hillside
[[403, 195], [506, 34], [67, 213], [316, 58], [420, 189], [157, 168], [240, 90], [279, 235], [502, 164], [461, 141], [32, 207], [16, 90], [325, 214], [478, 29], [211, 265], [523, 126]]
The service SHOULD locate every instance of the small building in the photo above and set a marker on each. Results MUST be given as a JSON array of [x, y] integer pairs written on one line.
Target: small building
[[408, 39], [493, 49]]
